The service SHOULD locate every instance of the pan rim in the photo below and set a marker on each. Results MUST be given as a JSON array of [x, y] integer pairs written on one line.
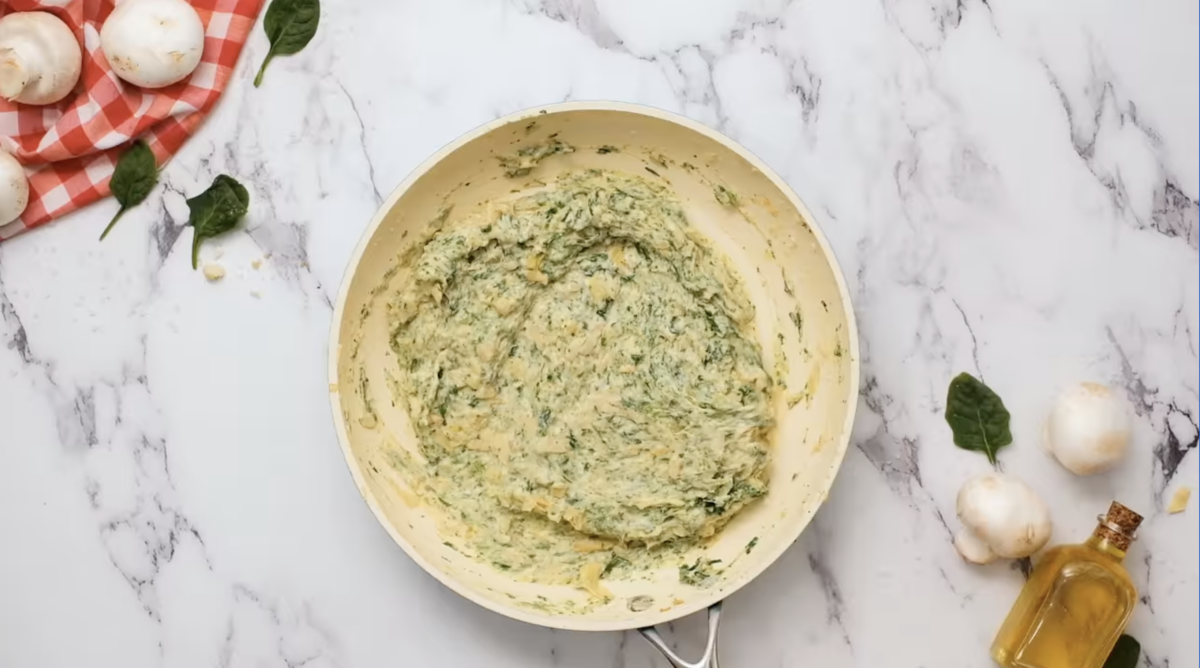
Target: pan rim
[[582, 622]]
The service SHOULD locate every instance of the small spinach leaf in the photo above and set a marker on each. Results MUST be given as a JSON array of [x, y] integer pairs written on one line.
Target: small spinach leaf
[[290, 26], [132, 180], [977, 416], [1125, 653], [216, 210]]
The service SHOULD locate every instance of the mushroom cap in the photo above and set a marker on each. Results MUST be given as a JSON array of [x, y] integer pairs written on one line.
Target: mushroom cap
[[14, 189], [1088, 429], [40, 59], [153, 43]]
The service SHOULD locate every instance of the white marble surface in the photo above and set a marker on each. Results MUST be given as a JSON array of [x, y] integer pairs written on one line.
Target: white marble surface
[[1011, 187]]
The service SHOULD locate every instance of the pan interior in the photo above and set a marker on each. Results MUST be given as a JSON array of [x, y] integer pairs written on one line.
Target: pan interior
[[803, 321]]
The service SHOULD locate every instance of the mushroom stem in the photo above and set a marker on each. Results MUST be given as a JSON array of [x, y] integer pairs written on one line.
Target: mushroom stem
[[972, 548]]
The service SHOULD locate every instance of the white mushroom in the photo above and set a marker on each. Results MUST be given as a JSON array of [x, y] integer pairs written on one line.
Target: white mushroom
[[14, 188], [153, 43], [1088, 429], [40, 59], [1003, 515]]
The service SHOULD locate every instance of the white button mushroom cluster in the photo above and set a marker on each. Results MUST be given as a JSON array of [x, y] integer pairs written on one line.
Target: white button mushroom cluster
[[1002, 517], [14, 189], [1088, 429], [153, 43], [148, 43], [40, 59]]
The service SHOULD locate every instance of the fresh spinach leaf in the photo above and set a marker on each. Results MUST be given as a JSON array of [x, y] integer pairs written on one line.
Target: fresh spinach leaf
[[290, 26], [132, 180], [216, 210], [1125, 653], [977, 416]]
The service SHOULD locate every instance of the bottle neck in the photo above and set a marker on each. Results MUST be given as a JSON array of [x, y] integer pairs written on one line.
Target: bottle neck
[[1104, 541]]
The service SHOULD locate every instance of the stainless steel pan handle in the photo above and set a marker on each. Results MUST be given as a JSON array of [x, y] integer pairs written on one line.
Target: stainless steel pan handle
[[708, 660]]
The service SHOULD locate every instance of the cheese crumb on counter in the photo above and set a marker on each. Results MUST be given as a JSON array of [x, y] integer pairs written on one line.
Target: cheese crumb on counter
[[1179, 502], [214, 272]]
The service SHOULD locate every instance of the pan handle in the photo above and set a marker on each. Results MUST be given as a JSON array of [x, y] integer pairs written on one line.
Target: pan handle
[[708, 660]]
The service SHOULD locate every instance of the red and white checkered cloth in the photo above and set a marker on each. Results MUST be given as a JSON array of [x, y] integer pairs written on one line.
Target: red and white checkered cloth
[[69, 149]]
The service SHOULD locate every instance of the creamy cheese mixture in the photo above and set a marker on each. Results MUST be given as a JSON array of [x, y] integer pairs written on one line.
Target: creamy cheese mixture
[[582, 374]]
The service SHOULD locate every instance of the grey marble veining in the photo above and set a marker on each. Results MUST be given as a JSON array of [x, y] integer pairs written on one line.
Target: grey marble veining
[[1011, 188]]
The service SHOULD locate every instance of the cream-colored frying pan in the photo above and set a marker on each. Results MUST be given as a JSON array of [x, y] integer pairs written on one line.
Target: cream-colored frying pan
[[804, 320]]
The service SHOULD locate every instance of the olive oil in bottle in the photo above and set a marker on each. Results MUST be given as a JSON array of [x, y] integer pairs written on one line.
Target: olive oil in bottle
[[1076, 602]]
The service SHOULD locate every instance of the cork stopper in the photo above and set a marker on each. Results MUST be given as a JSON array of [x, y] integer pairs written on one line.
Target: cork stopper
[[1118, 527]]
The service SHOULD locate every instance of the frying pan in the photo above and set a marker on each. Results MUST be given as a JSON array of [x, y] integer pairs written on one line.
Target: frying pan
[[803, 319]]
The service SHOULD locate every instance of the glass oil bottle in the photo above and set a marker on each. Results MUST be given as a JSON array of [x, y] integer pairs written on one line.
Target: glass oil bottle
[[1076, 602]]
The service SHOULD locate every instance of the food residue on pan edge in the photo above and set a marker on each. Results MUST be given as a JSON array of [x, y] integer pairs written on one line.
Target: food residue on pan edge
[[584, 380], [523, 162]]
